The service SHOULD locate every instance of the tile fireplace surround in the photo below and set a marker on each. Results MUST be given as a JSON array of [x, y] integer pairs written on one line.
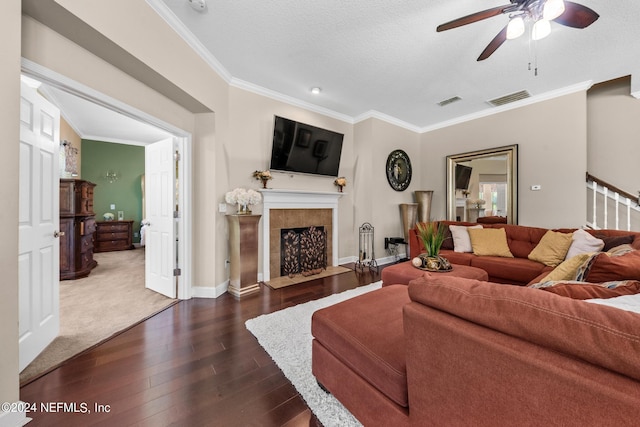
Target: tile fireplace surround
[[326, 204]]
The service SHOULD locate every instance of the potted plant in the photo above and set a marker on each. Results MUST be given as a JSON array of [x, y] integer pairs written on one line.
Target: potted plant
[[432, 235]]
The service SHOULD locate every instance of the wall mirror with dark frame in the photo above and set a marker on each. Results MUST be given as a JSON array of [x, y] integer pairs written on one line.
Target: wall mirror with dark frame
[[483, 183]]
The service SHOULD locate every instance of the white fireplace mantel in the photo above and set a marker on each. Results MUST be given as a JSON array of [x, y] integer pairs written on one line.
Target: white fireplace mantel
[[297, 199]]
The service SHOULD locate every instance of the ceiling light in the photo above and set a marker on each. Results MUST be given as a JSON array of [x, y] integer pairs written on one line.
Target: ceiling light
[[541, 29], [515, 28], [552, 9], [198, 5], [316, 90]]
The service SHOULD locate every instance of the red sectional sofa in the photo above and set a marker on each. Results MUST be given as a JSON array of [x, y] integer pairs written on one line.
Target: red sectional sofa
[[454, 351], [521, 240], [458, 352]]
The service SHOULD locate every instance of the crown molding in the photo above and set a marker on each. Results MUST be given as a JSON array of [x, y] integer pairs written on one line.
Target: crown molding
[[259, 90], [579, 87], [170, 18], [98, 138], [163, 10], [373, 114]]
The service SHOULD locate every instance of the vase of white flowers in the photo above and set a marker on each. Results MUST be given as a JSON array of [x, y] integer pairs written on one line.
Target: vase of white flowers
[[243, 198]]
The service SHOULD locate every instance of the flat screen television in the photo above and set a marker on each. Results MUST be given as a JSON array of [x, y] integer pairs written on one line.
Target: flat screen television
[[463, 175], [302, 148]]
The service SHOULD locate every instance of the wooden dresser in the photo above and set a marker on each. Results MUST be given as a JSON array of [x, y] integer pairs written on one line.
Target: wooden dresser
[[113, 236], [77, 222]]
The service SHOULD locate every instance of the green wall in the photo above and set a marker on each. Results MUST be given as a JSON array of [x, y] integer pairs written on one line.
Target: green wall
[[126, 193]]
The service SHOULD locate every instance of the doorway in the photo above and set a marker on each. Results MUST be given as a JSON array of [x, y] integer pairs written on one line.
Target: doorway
[[159, 130], [182, 141]]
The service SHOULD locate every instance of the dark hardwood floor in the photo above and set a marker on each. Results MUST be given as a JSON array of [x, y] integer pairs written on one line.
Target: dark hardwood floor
[[194, 364]]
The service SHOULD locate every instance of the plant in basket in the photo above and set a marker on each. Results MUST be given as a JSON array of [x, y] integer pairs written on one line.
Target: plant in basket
[[432, 234]]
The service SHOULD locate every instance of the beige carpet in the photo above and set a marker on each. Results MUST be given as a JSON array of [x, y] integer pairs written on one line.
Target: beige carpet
[[97, 307], [281, 282]]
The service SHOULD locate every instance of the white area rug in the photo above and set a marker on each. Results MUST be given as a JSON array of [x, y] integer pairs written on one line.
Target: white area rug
[[286, 336]]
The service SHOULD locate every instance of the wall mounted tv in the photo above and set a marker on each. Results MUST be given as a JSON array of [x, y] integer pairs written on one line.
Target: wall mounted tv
[[302, 148], [463, 175]]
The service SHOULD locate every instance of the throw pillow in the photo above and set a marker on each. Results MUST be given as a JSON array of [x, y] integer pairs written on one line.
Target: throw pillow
[[583, 242], [568, 269], [606, 267], [613, 241], [461, 240], [489, 242], [552, 248], [584, 290], [447, 243]]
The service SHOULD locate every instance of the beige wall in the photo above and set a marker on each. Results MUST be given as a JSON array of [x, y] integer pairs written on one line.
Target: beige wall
[[552, 145], [248, 149], [10, 119], [614, 126]]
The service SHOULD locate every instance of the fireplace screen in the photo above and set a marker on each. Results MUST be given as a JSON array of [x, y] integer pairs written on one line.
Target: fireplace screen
[[303, 251]]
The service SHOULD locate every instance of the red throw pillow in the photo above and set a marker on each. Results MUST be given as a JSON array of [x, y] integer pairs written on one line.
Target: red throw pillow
[[606, 268], [611, 242], [591, 290]]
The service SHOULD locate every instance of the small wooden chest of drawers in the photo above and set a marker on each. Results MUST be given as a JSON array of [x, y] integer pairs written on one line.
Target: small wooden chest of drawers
[[113, 236]]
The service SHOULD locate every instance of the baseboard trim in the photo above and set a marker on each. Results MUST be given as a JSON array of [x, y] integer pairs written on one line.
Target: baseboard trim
[[14, 418], [208, 291]]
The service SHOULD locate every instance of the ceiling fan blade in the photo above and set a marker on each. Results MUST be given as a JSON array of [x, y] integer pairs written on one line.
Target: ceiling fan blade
[[474, 17], [497, 41], [576, 15]]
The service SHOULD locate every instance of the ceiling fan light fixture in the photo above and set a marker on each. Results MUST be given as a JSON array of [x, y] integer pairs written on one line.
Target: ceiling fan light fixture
[[541, 29], [552, 9], [515, 28]]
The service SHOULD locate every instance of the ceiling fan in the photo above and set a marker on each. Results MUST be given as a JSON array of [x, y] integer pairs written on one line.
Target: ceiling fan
[[537, 12]]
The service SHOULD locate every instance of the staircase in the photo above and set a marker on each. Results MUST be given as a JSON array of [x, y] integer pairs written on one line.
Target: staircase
[[611, 208]]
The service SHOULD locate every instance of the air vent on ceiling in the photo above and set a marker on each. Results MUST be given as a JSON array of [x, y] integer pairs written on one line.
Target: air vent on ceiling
[[507, 99], [449, 101]]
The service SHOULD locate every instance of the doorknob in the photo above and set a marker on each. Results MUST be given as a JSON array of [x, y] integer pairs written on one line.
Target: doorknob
[[57, 234]]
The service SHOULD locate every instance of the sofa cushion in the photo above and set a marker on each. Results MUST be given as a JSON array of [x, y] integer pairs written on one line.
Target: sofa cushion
[[461, 240], [568, 269], [552, 248], [606, 267], [613, 241], [457, 257], [511, 270], [585, 290], [489, 242], [583, 242], [604, 336], [521, 239], [366, 334]]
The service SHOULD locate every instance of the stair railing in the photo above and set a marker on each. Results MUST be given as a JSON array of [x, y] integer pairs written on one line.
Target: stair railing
[[623, 202]]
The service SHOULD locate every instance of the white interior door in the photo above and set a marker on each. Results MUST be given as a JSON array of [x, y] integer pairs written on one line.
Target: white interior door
[[39, 248], [160, 234]]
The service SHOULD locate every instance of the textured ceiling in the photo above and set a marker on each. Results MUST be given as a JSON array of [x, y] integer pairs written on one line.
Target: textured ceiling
[[385, 56]]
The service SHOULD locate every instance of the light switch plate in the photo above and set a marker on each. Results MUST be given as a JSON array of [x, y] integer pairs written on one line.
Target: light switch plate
[[222, 207], [112, 206]]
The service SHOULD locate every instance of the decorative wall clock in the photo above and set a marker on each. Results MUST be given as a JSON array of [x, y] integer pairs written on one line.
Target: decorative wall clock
[[398, 170]]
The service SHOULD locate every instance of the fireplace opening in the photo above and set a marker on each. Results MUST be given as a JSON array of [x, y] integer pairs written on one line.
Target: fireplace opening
[[303, 251]]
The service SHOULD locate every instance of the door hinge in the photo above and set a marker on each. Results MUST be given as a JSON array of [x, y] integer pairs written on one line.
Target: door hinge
[[177, 272], [176, 214], [177, 156]]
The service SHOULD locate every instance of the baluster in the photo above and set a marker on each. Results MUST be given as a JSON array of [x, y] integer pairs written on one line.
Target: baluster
[[605, 219], [595, 195], [617, 199]]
